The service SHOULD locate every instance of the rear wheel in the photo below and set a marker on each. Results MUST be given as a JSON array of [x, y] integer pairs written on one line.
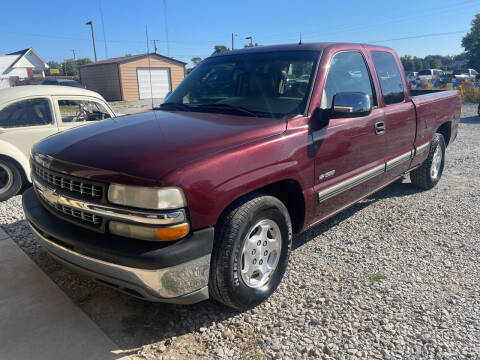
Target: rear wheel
[[430, 172], [10, 179], [251, 251]]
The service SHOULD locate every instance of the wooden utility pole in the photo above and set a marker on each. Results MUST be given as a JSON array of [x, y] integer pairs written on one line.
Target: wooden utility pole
[[93, 39]]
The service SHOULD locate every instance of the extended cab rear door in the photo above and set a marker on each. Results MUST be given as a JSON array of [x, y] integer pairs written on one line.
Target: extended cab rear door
[[399, 112]]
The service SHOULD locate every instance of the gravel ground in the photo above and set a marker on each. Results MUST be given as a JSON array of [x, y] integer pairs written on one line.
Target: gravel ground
[[132, 107], [395, 276]]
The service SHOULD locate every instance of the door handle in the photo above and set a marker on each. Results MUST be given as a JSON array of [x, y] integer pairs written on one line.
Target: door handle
[[380, 128]]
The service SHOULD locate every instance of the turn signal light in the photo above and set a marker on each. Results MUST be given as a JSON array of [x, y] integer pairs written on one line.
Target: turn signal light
[[172, 233], [149, 233]]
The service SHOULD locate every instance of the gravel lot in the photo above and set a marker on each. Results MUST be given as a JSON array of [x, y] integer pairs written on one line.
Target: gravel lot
[[395, 276]]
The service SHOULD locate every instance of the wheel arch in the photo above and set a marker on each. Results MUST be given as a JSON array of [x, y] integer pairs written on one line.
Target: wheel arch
[[446, 130], [20, 167], [288, 191]]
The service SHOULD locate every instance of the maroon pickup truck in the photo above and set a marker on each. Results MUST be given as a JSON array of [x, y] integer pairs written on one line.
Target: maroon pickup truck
[[201, 197]]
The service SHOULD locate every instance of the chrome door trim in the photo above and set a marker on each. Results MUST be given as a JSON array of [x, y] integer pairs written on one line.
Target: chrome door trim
[[350, 183], [420, 149], [390, 164]]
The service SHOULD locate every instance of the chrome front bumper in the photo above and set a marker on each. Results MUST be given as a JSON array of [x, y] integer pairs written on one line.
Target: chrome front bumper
[[185, 283]]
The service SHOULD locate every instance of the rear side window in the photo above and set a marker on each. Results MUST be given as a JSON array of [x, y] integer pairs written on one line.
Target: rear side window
[[389, 77], [348, 73], [32, 112]]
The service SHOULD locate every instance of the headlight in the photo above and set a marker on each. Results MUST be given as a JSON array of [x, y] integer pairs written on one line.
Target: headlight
[[147, 198]]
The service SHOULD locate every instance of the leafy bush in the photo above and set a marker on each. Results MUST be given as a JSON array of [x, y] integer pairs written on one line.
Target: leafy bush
[[469, 93]]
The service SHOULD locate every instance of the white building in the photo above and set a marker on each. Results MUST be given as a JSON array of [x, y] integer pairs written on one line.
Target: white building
[[20, 64]]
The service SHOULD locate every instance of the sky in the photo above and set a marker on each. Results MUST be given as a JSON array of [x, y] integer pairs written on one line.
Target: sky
[[55, 28]]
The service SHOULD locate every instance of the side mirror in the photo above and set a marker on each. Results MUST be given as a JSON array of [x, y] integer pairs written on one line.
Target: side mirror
[[350, 104]]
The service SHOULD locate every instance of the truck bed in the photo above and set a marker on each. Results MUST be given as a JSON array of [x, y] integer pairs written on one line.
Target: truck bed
[[435, 108]]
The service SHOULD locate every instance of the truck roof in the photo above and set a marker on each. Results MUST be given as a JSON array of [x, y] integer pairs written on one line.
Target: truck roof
[[293, 47]]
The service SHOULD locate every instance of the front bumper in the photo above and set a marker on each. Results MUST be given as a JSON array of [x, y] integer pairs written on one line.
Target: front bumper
[[175, 273]]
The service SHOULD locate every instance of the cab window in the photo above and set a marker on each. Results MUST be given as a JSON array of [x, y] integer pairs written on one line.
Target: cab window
[[73, 111], [33, 112], [389, 77], [348, 73]]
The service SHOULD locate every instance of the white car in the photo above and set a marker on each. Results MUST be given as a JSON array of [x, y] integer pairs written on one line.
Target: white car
[[429, 74], [30, 113], [465, 74]]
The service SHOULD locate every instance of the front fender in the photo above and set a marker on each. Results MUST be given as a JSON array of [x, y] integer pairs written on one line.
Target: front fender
[[214, 183]]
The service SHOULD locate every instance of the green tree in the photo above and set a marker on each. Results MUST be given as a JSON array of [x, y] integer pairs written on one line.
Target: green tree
[[53, 65], [471, 44], [70, 67], [407, 63], [83, 61], [196, 60], [219, 48]]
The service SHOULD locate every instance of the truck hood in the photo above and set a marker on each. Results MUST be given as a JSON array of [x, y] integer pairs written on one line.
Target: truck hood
[[150, 145]]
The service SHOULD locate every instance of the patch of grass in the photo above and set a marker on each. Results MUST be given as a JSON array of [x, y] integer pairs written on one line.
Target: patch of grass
[[378, 277], [83, 299], [252, 349]]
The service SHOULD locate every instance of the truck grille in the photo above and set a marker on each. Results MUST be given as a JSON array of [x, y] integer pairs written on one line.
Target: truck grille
[[85, 216], [69, 184]]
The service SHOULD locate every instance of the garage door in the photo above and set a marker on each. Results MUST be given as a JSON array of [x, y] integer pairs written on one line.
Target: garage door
[[160, 83]]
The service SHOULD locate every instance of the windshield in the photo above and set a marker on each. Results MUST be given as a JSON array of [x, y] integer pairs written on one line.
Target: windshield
[[460, 72], [425, 72], [270, 84]]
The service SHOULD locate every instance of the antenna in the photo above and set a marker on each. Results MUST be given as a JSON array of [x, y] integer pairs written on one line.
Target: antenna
[[166, 26], [103, 28], [300, 43], [149, 65]]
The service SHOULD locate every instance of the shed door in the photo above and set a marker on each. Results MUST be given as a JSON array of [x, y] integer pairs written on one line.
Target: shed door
[[160, 85]]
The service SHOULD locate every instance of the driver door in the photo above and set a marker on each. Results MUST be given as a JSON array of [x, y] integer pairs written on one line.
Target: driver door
[[349, 153], [76, 111]]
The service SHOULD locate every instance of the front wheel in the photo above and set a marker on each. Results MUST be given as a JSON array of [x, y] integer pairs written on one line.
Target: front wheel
[[251, 251], [430, 172]]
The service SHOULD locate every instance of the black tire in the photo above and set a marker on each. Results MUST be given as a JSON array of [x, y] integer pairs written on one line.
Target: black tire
[[422, 176], [11, 180], [226, 284]]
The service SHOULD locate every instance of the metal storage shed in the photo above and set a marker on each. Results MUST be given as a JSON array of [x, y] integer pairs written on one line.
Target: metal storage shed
[[128, 78]]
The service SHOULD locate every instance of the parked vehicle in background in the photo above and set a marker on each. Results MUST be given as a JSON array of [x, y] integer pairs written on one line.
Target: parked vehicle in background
[[429, 74], [202, 198], [411, 76], [32, 112], [465, 74], [62, 82]]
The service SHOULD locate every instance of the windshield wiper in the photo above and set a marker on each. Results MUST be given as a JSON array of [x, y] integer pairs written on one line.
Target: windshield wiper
[[175, 105], [228, 107]]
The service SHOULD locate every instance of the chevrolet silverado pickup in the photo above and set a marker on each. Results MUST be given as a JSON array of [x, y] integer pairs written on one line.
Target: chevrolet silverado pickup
[[200, 198]]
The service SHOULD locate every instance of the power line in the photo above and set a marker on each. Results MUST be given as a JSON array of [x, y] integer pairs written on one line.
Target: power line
[[419, 36], [464, 5], [103, 28]]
